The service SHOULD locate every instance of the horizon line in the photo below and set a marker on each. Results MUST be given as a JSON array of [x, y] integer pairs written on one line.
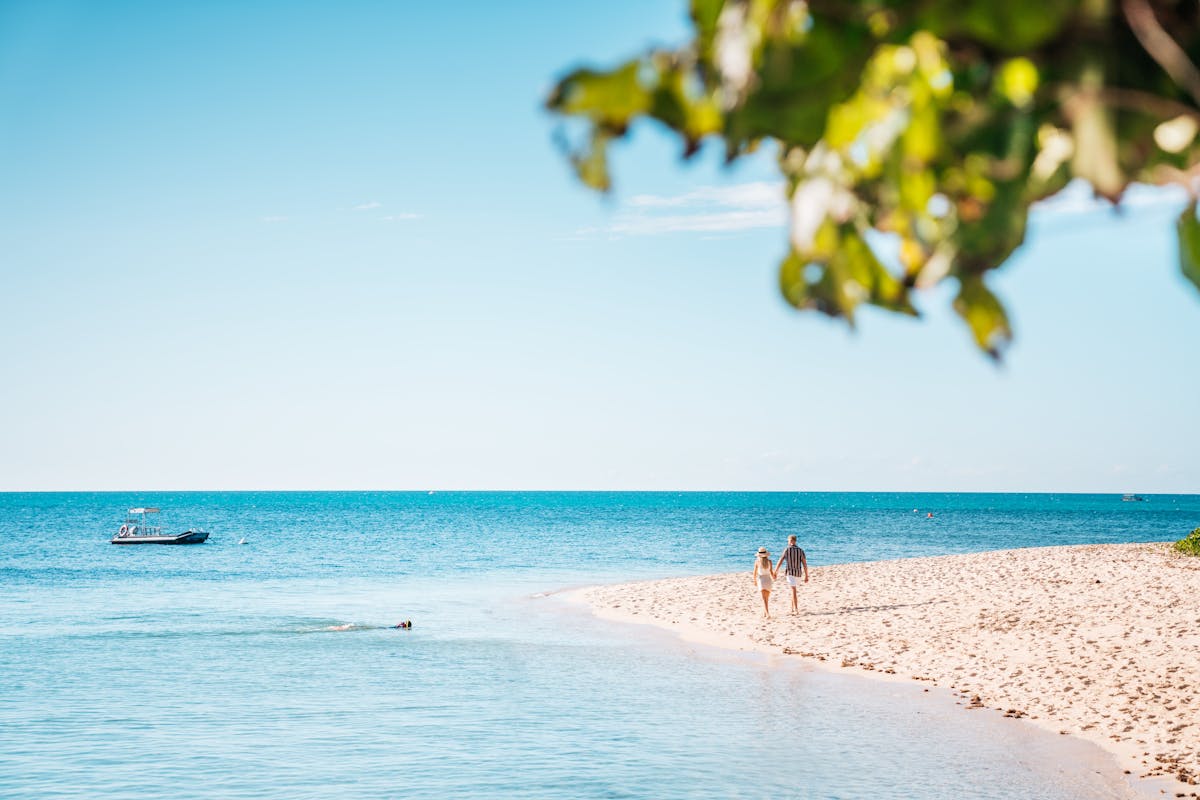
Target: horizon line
[[593, 491]]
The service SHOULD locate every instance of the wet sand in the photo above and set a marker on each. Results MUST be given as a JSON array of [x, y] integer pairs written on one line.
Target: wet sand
[[1097, 641]]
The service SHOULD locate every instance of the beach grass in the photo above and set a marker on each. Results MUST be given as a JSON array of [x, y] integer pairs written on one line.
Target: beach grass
[[1190, 544]]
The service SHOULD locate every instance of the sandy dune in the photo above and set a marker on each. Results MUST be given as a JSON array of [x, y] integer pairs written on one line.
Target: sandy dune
[[1101, 641]]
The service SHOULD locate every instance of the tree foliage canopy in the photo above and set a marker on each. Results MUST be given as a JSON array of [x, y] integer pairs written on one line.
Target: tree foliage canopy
[[938, 121]]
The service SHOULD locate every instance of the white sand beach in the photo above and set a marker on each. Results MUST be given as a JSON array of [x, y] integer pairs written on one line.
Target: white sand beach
[[1097, 641]]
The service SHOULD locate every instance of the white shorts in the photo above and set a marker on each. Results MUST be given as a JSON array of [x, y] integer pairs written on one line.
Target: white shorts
[[795, 580]]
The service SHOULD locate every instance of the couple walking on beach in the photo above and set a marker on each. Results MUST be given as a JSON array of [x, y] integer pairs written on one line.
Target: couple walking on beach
[[765, 575]]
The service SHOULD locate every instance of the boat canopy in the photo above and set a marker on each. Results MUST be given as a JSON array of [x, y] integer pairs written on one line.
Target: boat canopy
[[144, 510]]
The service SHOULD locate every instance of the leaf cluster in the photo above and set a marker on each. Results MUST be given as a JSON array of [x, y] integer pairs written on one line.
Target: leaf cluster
[[935, 122]]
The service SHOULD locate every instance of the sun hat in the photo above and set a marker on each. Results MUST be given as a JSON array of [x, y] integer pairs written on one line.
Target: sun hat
[[762, 551]]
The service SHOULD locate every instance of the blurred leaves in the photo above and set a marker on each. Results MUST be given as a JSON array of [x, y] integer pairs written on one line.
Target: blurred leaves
[[936, 122], [849, 275], [1188, 229], [984, 315]]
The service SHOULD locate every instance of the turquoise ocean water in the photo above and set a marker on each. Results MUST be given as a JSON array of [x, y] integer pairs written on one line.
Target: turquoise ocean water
[[212, 671]]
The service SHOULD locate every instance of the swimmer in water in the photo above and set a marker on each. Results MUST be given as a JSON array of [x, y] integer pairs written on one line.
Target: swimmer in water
[[350, 626]]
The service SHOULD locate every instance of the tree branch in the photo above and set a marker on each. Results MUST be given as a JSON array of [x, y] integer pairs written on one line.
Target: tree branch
[[1161, 47], [1150, 104]]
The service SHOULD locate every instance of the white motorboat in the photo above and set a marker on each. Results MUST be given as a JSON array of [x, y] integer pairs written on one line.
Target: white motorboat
[[136, 530]]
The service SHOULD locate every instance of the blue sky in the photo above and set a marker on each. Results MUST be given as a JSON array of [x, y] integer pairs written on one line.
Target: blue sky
[[329, 246]]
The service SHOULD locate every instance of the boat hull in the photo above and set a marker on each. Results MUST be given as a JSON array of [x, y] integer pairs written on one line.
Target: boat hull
[[190, 537]]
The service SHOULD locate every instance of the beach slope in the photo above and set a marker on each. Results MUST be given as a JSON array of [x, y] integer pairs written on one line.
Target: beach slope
[[1100, 641]]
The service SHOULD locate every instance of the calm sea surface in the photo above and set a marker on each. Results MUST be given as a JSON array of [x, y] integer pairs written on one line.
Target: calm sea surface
[[211, 671]]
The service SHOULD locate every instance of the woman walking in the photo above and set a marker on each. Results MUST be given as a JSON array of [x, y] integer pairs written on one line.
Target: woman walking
[[764, 576]]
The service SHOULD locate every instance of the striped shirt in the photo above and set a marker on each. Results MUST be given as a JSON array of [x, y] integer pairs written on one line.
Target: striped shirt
[[793, 556]]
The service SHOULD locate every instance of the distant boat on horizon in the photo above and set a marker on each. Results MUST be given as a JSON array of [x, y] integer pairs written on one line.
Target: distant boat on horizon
[[1132, 498]]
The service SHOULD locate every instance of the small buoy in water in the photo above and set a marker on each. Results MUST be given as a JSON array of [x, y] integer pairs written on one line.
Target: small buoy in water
[[914, 511], [243, 540]]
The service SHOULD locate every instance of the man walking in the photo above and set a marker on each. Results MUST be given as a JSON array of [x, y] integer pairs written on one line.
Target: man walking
[[797, 565]]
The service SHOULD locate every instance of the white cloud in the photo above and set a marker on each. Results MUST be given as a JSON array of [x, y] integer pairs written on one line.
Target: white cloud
[[1140, 195], [402, 216], [274, 218], [760, 194], [707, 209], [367, 206], [1078, 198], [762, 204], [717, 221]]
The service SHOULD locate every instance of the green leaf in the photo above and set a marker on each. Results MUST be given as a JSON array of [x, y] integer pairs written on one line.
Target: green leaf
[[610, 101], [1010, 26], [682, 103], [798, 84], [857, 266], [850, 276], [1188, 229], [591, 163], [984, 314], [705, 14], [792, 283], [609, 98], [1017, 81]]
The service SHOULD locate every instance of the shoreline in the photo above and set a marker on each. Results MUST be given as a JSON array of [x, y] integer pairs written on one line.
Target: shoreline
[[1101, 642]]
